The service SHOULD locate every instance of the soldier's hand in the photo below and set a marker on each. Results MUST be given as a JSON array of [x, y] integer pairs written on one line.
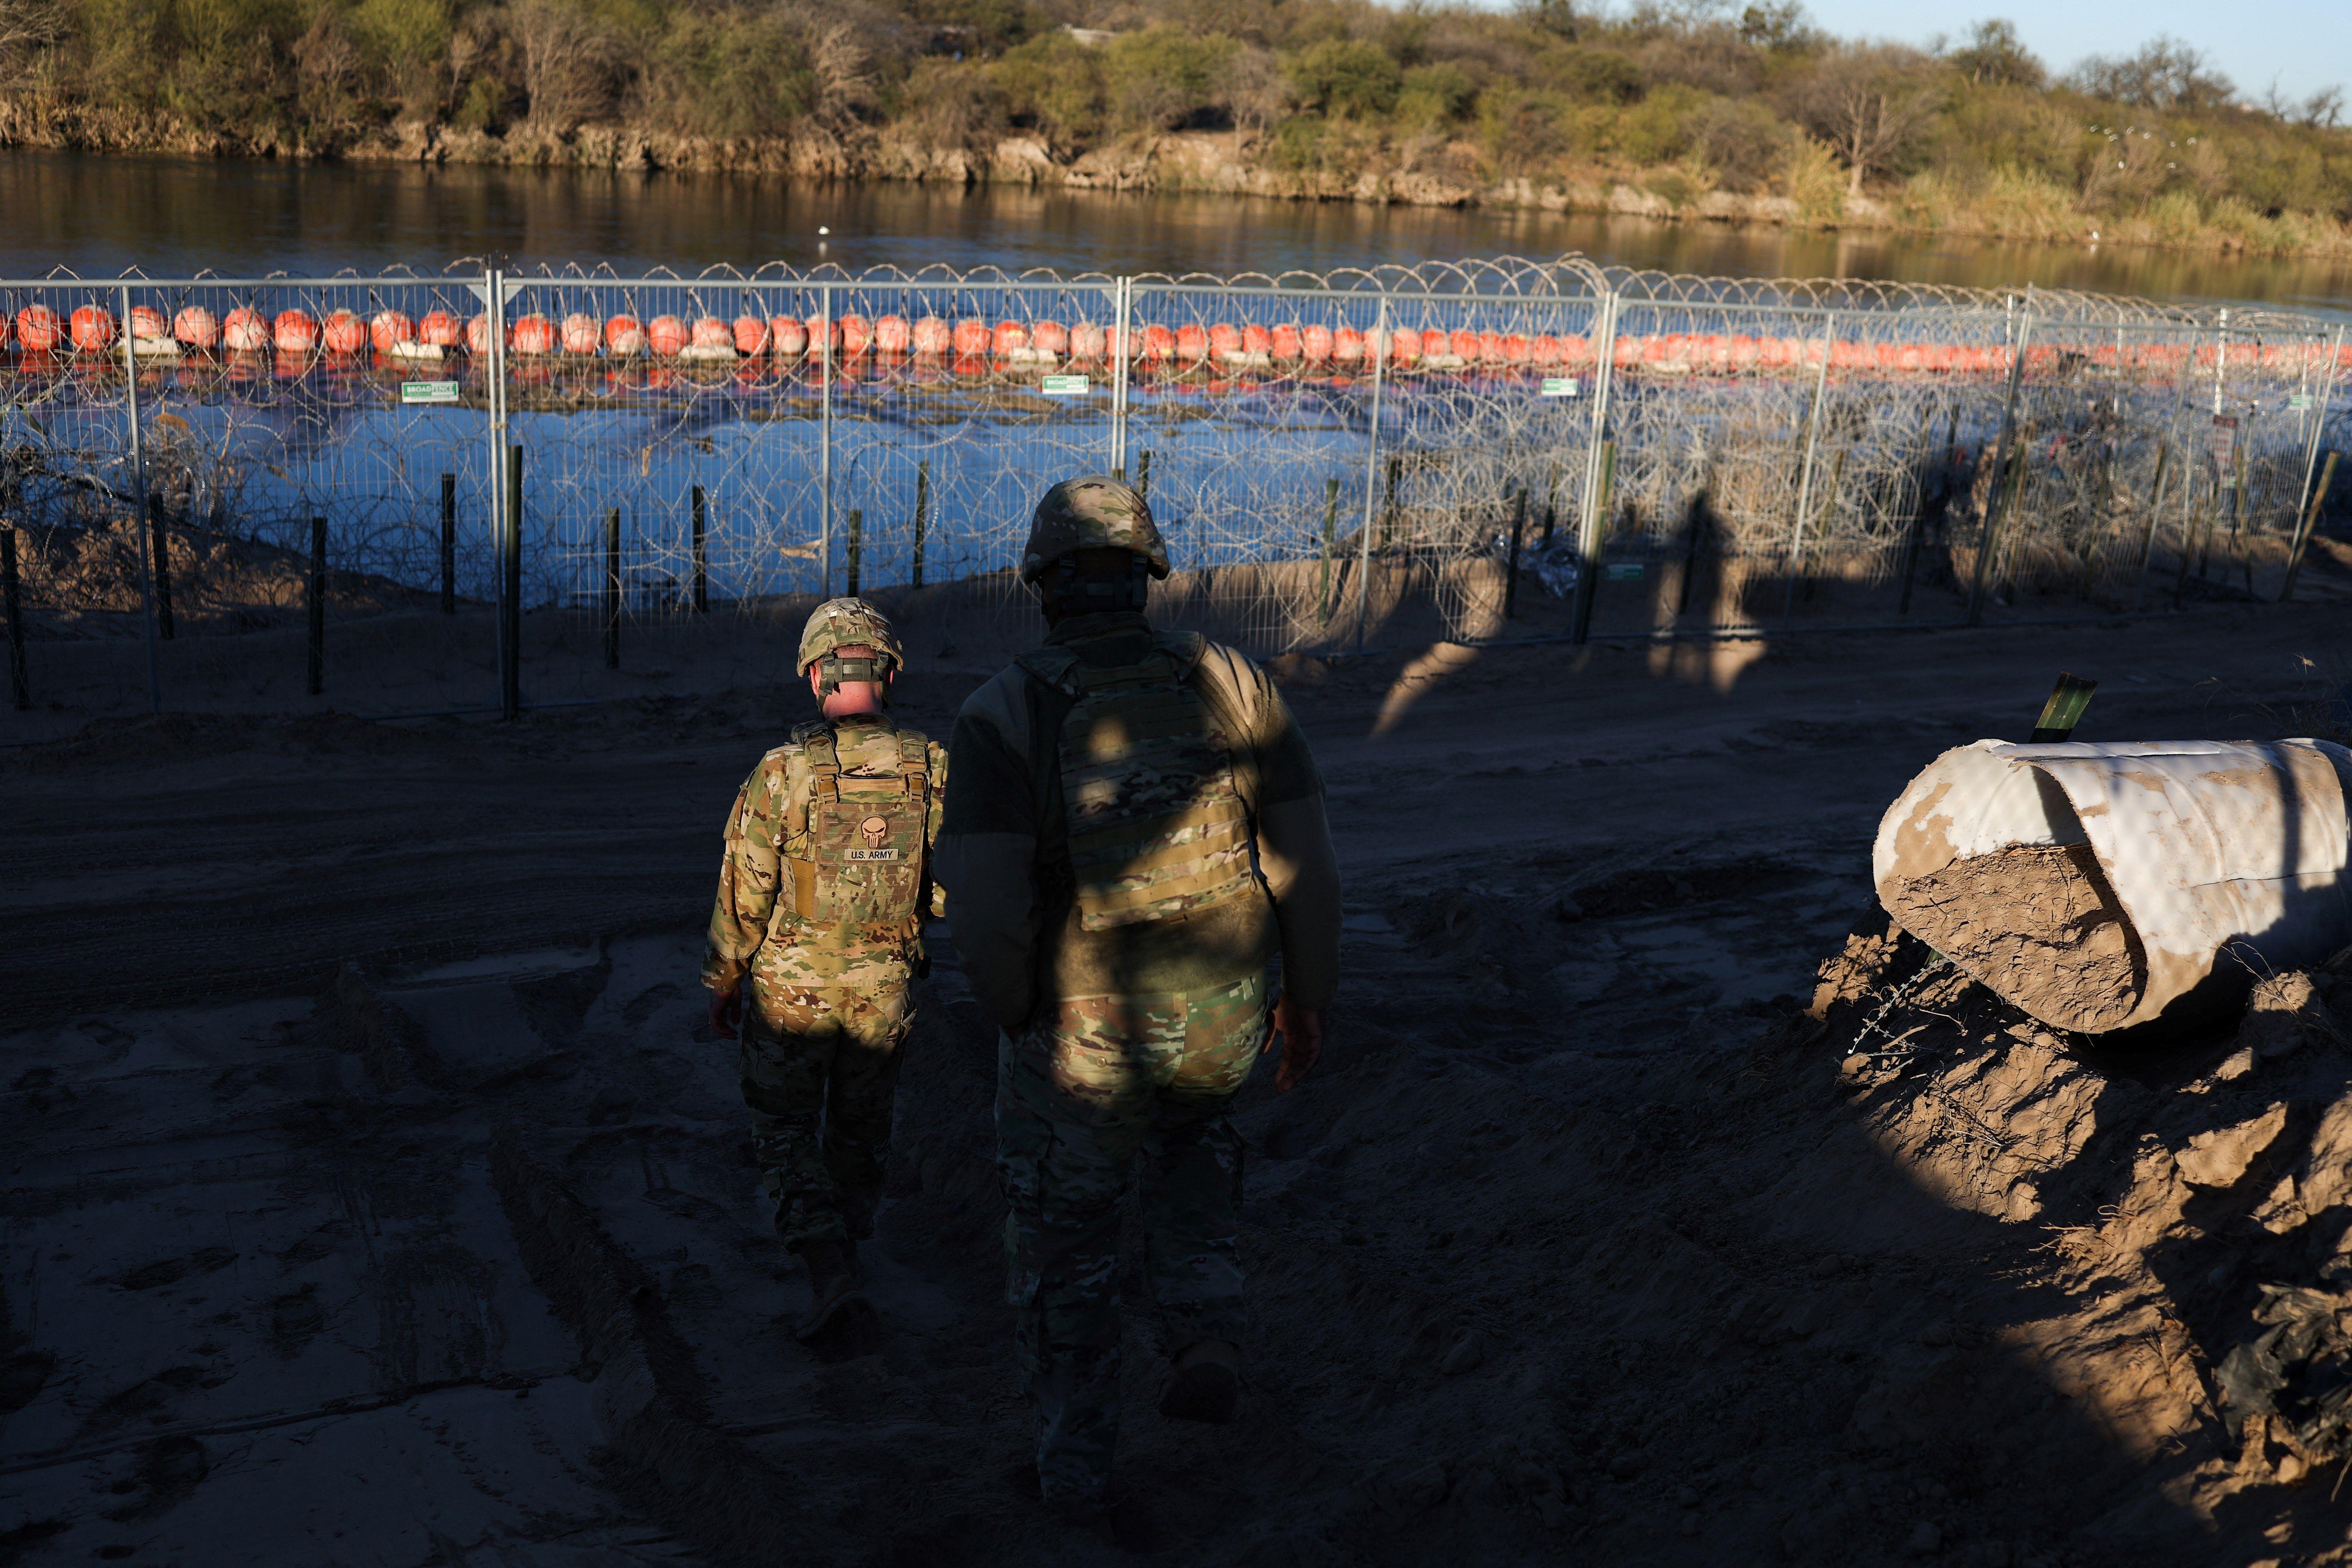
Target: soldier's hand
[[1300, 1030], [727, 1013]]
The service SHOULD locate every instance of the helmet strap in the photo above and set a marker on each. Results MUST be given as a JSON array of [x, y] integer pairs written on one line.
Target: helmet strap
[[1077, 592], [831, 671]]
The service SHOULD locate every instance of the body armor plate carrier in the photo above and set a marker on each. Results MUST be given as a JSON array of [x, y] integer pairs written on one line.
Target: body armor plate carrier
[[864, 865], [1156, 826]]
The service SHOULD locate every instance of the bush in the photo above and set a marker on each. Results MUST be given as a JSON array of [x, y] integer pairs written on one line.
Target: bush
[[1740, 138], [1524, 132], [1053, 84], [1602, 74], [1347, 77], [729, 73], [1161, 80], [1437, 94], [1658, 130]]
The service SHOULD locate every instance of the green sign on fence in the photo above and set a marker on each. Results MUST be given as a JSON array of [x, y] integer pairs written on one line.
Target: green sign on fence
[[1559, 386], [1066, 386], [428, 392], [1625, 571], [2298, 402]]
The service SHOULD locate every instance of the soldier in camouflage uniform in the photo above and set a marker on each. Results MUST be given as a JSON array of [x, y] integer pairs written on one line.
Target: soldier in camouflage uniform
[[1134, 829], [821, 898]]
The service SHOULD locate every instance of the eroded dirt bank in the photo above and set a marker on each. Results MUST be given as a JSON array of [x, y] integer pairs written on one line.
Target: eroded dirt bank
[[1590, 1243]]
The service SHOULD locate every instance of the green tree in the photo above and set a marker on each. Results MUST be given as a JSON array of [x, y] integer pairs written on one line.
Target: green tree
[[1995, 56], [1347, 77]]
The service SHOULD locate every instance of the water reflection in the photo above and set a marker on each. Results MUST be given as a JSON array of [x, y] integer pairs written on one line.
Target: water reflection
[[172, 216]]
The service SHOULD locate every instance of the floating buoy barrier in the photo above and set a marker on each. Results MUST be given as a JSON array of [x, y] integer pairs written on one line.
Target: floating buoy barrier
[[196, 328], [532, 334], [245, 331], [580, 334], [666, 335], [344, 333], [1010, 340], [1050, 338], [857, 335], [892, 335], [624, 336], [1086, 341], [37, 329], [933, 336], [295, 333], [389, 332], [93, 328], [437, 329], [790, 336], [971, 338]]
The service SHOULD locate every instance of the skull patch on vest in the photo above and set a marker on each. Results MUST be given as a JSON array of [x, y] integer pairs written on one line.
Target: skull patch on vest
[[876, 831]]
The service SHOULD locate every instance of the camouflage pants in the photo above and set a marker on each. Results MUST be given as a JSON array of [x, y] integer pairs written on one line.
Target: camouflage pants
[[821, 1054], [1092, 1088]]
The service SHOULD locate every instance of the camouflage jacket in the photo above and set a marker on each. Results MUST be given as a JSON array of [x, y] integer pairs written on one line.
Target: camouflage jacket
[[755, 926]]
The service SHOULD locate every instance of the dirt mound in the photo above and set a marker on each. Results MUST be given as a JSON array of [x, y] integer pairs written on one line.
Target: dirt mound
[[2039, 925], [2199, 1204]]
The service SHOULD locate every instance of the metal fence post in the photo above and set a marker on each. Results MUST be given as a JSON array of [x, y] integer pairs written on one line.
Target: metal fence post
[[1372, 475], [922, 513], [162, 539], [824, 443], [1591, 524], [1123, 299], [2305, 523], [2319, 422], [139, 480], [506, 487], [1805, 467], [1988, 532], [2155, 515]]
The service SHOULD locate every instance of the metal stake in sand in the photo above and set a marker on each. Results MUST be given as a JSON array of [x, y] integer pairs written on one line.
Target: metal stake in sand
[[1371, 476], [318, 596], [922, 513], [448, 544], [702, 557], [1590, 535], [2154, 514], [163, 541], [510, 593], [1805, 469], [2063, 711], [613, 589], [2302, 528], [1599, 471], [139, 479], [20, 689], [1330, 533], [1511, 567], [856, 552], [2001, 460]]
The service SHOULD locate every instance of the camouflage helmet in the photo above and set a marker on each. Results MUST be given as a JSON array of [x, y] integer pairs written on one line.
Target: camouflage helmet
[[839, 623], [1093, 511]]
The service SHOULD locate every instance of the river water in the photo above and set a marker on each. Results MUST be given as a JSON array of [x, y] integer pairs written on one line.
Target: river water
[[173, 217]]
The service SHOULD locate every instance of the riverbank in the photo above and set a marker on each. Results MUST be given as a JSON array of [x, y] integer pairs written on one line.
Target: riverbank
[[1422, 172]]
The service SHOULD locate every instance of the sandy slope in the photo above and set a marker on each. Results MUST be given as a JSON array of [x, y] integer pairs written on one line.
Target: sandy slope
[[1582, 1245]]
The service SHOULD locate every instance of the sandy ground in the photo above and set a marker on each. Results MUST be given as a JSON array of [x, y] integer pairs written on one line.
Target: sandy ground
[[1582, 1245]]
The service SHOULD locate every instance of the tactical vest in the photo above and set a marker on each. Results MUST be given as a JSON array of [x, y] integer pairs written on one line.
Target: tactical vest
[[864, 862], [1156, 826]]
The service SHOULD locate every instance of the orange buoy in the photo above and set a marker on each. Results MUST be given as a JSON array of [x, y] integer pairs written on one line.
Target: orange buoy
[[532, 334], [710, 332], [93, 328], [435, 328], [1155, 343], [824, 334], [892, 335], [1315, 343], [1050, 338], [1256, 342], [295, 333], [750, 336], [1575, 349], [1347, 346], [932, 336], [1544, 350], [1404, 347], [790, 336], [971, 338], [245, 331], [477, 334], [344, 333], [146, 321], [389, 331], [1287, 345], [1192, 345], [1225, 340], [37, 329], [1086, 341], [196, 328], [855, 335], [1010, 338], [579, 333], [666, 335], [624, 336]]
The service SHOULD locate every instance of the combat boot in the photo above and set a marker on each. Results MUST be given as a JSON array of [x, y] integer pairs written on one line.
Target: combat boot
[[1204, 1385], [833, 1285]]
